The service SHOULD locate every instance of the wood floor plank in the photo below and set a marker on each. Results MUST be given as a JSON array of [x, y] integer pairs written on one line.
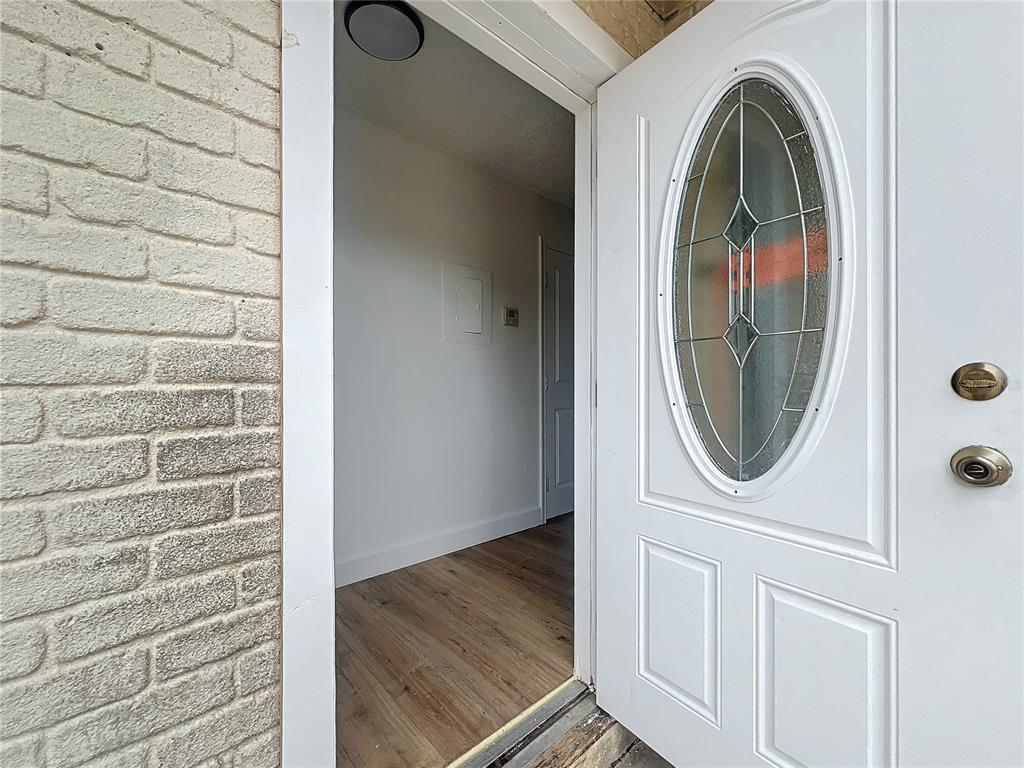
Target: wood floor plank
[[434, 658]]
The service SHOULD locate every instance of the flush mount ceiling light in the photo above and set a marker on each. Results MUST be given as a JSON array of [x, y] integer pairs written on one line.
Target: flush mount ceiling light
[[385, 29]]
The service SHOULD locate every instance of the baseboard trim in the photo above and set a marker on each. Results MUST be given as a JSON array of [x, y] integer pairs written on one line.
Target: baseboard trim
[[406, 553]]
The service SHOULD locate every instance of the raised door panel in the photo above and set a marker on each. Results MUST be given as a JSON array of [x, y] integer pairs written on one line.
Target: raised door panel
[[826, 682], [679, 626]]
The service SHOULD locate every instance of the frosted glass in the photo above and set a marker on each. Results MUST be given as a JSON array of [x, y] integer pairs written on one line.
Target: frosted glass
[[769, 187], [719, 379], [766, 96], [778, 276], [752, 281], [701, 288], [767, 373], [720, 184]]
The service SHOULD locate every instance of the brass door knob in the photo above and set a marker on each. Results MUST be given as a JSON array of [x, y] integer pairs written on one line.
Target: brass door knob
[[980, 465]]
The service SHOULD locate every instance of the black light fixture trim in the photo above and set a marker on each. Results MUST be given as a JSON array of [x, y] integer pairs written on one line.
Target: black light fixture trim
[[396, 5]]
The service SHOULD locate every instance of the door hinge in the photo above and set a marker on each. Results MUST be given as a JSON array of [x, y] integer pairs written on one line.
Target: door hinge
[[595, 394], [547, 485], [547, 280]]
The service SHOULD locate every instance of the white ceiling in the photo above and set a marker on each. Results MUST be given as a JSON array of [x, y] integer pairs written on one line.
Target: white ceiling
[[456, 99]]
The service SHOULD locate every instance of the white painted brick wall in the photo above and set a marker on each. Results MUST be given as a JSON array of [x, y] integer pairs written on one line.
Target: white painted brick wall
[[140, 509]]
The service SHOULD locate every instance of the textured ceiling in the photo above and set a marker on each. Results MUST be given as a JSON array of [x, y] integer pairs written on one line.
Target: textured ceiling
[[454, 98]]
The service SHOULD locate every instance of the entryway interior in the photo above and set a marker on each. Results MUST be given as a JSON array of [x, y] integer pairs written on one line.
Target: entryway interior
[[453, 399]]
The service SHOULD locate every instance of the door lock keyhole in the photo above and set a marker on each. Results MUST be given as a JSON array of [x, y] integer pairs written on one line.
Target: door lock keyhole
[[977, 471], [980, 465]]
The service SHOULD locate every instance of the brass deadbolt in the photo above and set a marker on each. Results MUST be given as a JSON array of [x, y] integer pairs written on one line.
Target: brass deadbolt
[[979, 381], [980, 465]]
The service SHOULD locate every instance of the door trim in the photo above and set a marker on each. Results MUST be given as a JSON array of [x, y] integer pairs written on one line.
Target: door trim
[[554, 47], [307, 304]]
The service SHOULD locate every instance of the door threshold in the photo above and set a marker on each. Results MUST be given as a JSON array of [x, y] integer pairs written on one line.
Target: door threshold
[[501, 745]]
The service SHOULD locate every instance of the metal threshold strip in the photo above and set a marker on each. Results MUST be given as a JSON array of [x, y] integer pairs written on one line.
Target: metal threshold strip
[[497, 748]]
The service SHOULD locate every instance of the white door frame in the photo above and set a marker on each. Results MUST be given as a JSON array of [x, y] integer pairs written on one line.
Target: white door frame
[[554, 47]]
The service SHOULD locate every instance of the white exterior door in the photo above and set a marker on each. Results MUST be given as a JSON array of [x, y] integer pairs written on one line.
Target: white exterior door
[[809, 216], [557, 343]]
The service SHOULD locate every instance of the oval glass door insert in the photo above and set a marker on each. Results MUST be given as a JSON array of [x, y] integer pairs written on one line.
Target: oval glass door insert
[[750, 279]]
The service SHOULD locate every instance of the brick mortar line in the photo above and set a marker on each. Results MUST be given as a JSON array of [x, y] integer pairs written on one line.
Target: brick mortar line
[[227, 430], [145, 31], [50, 323], [49, 617], [56, 496], [112, 389], [19, 151], [59, 213], [147, 182], [46, 731], [142, 381], [226, 110], [47, 322], [48, 552], [48, 47], [149, 740], [227, 22], [150, 134], [137, 486], [148, 280], [145, 130], [159, 338], [45, 97], [41, 672], [148, 644]]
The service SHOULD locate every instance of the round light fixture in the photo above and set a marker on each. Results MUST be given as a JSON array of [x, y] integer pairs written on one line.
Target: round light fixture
[[385, 29]]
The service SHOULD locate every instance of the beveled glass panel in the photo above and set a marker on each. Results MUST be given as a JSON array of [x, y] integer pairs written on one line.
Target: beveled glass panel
[[702, 296], [726, 463], [770, 99], [767, 373], [806, 372], [691, 390], [751, 280], [807, 178], [769, 188], [719, 379], [817, 270], [685, 230], [720, 185], [718, 117], [741, 227], [778, 276], [764, 458]]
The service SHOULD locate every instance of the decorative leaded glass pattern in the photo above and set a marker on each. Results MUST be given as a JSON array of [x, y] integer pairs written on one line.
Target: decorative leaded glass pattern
[[750, 279]]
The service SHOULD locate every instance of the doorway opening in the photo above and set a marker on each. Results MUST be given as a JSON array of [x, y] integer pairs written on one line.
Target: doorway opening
[[453, 399]]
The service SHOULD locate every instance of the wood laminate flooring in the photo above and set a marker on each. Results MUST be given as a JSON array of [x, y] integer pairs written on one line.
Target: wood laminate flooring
[[434, 658]]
